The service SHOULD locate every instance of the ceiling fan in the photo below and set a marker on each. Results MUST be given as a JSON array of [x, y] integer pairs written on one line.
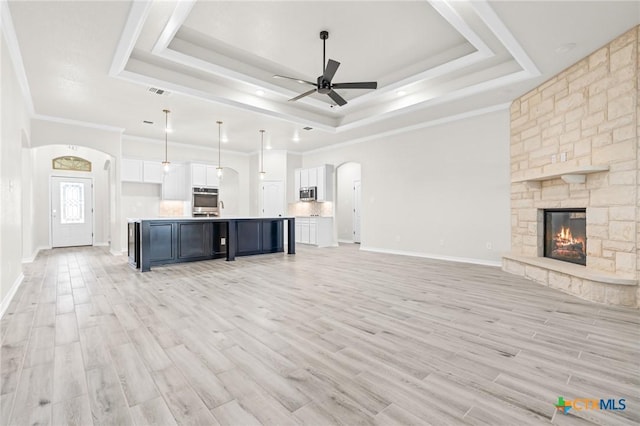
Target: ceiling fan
[[324, 84]]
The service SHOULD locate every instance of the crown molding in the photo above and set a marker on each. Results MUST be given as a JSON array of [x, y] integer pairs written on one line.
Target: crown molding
[[9, 31], [69, 121]]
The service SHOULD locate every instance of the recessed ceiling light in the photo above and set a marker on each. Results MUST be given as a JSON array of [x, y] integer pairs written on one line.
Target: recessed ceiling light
[[168, 130], [260, 92], [268, 147], [296, 139], [224, 139], [564, 48], [401, 93]]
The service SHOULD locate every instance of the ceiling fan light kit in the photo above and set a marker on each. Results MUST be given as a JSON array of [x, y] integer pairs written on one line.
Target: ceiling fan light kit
[[324, 84]]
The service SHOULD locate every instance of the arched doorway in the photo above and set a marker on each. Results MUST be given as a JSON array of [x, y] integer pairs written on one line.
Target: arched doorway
[[45, 171]]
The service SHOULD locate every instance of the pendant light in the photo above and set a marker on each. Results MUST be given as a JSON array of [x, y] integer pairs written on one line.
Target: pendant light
[[166, 163], [262, 172], [219, 168]]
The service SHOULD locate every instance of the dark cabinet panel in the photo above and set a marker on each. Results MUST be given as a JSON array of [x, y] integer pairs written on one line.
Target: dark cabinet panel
[[161, 242], [248, 234], [194, 240]]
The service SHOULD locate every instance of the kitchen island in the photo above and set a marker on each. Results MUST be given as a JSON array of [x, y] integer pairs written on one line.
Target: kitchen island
[[160, 241]]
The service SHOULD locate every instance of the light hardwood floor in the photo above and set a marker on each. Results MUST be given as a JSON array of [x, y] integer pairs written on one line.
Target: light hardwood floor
[[328, 336]]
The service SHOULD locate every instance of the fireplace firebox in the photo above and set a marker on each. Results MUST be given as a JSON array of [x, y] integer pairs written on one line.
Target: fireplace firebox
[[565, 235]]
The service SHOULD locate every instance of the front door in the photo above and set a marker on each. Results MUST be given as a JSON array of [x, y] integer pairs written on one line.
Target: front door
[[273, 199], [71, 211]]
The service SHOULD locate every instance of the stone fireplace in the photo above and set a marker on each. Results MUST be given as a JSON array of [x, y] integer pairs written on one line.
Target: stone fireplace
[[575, 217]]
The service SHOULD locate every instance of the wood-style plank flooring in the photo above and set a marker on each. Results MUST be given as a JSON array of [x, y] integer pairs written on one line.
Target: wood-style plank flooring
[[328, 336]]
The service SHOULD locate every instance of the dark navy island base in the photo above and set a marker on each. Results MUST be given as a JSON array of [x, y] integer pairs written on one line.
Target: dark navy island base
[[153, 242]]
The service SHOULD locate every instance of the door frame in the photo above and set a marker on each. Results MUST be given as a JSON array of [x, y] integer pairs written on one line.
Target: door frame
[[93, 204], [353, 223]]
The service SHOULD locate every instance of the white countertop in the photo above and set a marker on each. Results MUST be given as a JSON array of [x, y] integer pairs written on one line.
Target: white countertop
[[137, 219]]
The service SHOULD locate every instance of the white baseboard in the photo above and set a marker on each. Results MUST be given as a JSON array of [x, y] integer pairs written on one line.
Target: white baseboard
[[33, 256], [484, 262], [345, 241], [101, 244], [9, 297]]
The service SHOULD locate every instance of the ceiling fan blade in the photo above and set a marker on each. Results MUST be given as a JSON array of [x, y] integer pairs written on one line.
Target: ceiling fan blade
[[330, 70], [359, 85], [295, 79], [310, 92], [337, 98]]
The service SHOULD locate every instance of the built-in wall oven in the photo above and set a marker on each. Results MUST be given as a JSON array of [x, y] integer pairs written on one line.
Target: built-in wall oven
[[204, 202]]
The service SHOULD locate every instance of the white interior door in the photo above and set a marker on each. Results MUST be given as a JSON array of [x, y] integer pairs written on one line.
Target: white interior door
[[71, 211], [273, 199], [356, 211]]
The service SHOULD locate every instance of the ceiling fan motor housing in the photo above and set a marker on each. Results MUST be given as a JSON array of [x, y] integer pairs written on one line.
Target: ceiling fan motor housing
[[324, 86]]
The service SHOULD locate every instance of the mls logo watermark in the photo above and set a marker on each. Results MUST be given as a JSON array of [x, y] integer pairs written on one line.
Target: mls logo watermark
[[582, 404]]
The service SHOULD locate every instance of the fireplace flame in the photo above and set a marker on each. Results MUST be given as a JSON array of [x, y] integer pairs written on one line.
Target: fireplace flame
[[564, 238]]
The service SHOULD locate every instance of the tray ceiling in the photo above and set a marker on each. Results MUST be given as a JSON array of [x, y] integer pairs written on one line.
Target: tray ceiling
[[95, 61]]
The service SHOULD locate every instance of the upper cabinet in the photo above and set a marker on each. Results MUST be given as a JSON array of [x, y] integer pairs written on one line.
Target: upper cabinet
[[173, 184], [202, 175], [321, 177], [152, 172], [141, 171]]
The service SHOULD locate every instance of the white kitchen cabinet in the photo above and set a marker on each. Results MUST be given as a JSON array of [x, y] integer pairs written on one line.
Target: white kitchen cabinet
[[321, 177], [134, 170], [312, 176], [304, 178], [203, 175], [173, 185], [152, 172], [212, 176], [131, 170], [317, 231], [198, 175]]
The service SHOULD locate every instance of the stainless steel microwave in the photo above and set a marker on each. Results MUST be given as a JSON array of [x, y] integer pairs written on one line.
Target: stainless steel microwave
[[308, 194]]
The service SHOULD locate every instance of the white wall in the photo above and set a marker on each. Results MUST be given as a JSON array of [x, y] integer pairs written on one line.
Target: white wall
[[42, 172], [14, 124], [346, 175], [28, 211], [441, 191]]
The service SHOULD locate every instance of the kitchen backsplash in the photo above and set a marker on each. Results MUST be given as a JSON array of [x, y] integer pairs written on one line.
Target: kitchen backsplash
[[310, 209], [172, 209]]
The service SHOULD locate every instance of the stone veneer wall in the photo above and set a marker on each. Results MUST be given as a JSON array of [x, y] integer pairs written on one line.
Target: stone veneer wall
[[590, 112]]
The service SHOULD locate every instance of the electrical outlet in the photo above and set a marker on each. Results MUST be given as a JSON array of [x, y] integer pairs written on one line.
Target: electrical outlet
[[489, 245], [563, 157], [223, 241], [554, 158]]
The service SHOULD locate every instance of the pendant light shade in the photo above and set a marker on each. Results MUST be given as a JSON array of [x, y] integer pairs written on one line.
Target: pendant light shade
[[219, 170], [262, 172], [166, 164]]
